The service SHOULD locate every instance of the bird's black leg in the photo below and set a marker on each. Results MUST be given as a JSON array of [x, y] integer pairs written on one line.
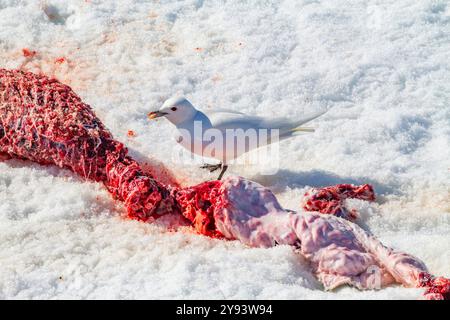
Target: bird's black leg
[[214, 167], [224, 168], [211, 167]]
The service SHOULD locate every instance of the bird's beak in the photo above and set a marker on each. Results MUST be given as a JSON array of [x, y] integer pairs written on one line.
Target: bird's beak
[[156, 114]]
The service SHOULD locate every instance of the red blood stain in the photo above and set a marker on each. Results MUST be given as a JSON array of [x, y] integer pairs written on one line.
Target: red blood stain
[[4, 156], [60, 60], [27, 53]]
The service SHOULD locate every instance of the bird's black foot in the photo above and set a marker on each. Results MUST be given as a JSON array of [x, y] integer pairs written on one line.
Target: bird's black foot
[[224, 168], [215, 167], [211, 167]]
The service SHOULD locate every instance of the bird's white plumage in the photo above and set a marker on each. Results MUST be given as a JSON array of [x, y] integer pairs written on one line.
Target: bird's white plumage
[[198, 130]]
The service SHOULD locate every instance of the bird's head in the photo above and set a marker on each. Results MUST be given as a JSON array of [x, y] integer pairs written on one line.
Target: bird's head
[[176, 110]]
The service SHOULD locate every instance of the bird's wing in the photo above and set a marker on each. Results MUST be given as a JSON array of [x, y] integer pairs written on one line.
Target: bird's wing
[[223, 110], [225, 120], [289, 126]]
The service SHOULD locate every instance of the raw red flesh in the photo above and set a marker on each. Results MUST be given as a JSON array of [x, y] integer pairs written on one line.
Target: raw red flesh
[[437, 288], [44, 121], [330, 200], [198, 205]]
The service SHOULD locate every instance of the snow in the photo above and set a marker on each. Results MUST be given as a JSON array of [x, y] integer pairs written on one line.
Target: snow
[[382, 68]]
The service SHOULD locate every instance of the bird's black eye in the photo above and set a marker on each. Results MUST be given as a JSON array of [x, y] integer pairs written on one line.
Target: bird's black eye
[[173, 108]]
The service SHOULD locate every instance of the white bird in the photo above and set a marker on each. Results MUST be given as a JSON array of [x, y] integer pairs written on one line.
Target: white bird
[[198, 131]]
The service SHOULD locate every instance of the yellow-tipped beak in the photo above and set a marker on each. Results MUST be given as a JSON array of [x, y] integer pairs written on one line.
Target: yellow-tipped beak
[[155, 114]]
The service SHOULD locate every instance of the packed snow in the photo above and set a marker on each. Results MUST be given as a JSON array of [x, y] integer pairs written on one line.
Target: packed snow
[[381, 68]]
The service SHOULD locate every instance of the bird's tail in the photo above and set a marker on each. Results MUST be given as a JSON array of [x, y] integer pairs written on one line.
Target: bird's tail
[[297, 125], [303, 129]]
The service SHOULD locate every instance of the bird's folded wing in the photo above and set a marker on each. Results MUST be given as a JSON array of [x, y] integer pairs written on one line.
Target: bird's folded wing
[[290, 124], [222, 110], [226, 120]]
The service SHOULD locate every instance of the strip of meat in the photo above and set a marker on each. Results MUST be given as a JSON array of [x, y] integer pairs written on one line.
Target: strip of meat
[[43, 120], [338, 250], [330, 200]]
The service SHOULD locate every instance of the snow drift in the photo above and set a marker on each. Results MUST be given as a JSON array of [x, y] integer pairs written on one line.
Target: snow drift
[[45, 121], [381, 67]]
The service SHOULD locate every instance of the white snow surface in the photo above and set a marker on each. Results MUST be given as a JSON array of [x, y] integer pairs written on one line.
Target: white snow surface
[[382, 68]]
